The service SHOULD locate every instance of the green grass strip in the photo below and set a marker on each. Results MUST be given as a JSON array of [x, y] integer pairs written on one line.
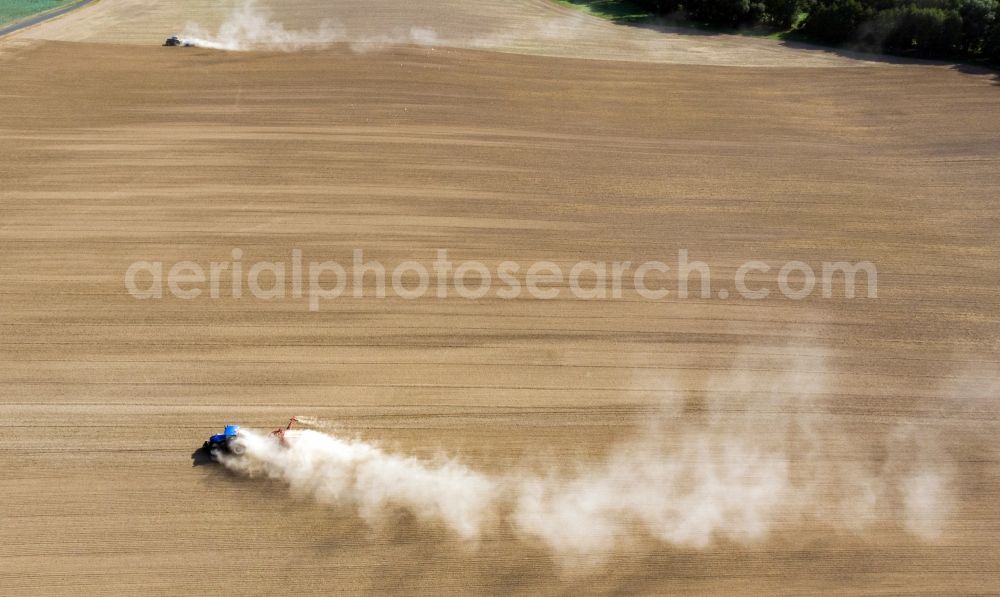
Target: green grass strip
[[15, 10]]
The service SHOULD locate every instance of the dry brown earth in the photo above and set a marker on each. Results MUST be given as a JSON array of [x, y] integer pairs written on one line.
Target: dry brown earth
[[114, 149]]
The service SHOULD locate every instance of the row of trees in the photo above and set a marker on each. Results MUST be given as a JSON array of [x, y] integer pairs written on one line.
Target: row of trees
[[927, 28]]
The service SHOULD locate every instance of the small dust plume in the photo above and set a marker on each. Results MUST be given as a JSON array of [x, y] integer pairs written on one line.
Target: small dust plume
[[313, 422], [926, 503], [349, 472], [709, 488], [251, 27]]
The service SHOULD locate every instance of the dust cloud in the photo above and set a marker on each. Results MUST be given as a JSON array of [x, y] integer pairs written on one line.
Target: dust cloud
[[758, 453], [341, 471], [251, 26]]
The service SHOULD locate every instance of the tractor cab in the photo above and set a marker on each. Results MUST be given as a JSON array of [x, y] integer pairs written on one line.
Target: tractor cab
[[222, 442]]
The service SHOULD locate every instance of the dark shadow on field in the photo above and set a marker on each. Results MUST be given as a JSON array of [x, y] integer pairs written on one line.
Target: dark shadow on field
[[979, 71], [201, 457]]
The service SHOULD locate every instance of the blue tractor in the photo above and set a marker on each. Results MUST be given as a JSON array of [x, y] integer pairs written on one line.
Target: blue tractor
[[224, 442]]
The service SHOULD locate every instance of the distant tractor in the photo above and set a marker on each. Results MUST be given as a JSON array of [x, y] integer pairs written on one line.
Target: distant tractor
[[173, 40]]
